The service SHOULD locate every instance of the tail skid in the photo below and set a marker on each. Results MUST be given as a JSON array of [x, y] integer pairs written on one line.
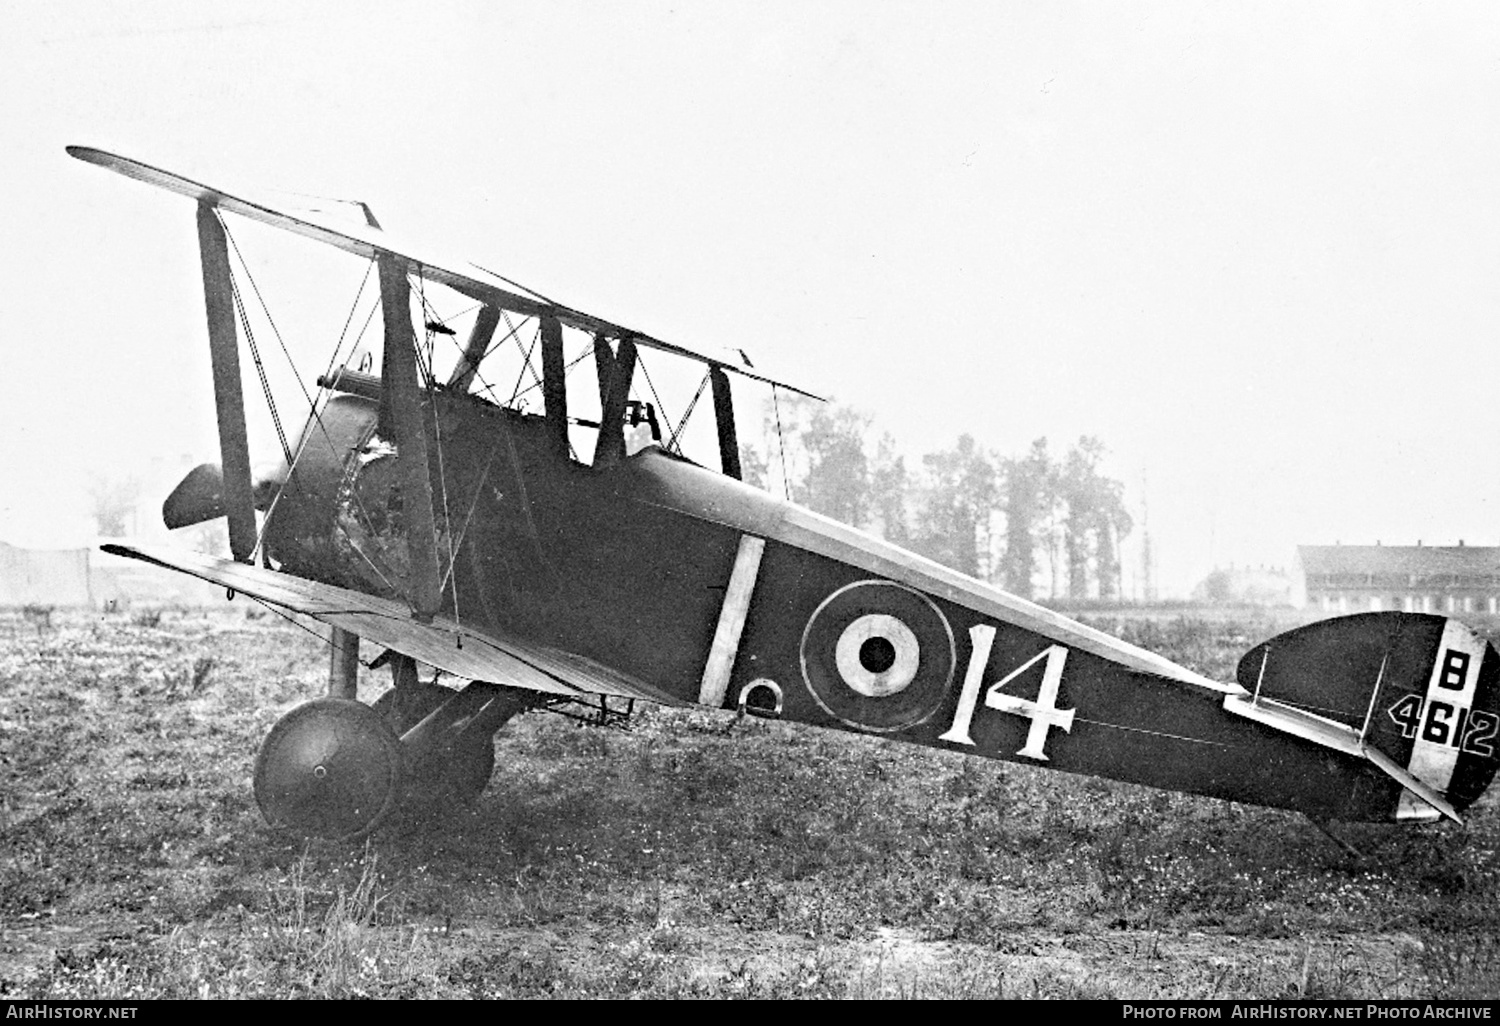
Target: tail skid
[[1340, 738]]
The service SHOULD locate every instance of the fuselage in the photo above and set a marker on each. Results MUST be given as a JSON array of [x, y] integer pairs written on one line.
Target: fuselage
[[631, 566]]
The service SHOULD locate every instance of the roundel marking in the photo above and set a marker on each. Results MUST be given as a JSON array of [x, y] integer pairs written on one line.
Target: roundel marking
[[878, 656]]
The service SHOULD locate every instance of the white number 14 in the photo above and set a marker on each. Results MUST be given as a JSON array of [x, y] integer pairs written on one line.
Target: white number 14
[[1043, 713]]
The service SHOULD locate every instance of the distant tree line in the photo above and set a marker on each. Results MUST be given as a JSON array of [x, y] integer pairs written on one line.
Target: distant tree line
[[1033, 522]]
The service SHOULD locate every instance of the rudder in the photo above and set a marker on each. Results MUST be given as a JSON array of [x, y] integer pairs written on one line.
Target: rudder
[[1422, 691]]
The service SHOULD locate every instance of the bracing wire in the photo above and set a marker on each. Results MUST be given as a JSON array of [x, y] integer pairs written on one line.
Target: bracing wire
[[654, 394], [494, 346], [786, 481], [269, 320], [691, 406], [422, 301], [298, 624], [570, 365], [485, 385], [437, 427], [517, 391], [526, 358], [260, 368], [353, 309], [430, 315], [314, 416], [464, 530], [430, 312]]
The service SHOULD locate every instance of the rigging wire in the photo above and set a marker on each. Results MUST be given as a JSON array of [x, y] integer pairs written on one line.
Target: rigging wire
[[672, 442], [571, 364], [437, 426], [430, 313], [437, 430], [316, 417], [353, 308], [422, 300], [296, 374], [654, 394], [366, 326], [260, 367], [526, 356], [515, 392], [514, 328], [295, 623], [517, 285], [366, 663], [786, 481], [478, 376], [464, 530], [313, 413], [269, 320]]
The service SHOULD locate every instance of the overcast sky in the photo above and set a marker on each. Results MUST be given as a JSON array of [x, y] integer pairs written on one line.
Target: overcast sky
[[1254, 248]]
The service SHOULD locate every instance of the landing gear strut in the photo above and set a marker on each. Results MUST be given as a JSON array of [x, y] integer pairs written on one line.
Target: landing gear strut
[[455, 772], [336, 768]]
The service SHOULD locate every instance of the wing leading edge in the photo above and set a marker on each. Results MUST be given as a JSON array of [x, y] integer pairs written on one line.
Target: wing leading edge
[[443, 643], [460, 275]]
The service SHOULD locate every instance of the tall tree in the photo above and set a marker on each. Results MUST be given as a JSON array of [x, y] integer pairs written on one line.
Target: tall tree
[[959, 499], [755, 469], [1080, 492], [1112, 522], [111, 502], [1096, 520], [888, 492], [1028, 487], [838, 473]]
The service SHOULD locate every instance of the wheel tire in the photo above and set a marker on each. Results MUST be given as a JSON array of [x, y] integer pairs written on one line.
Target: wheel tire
[[330, 768]]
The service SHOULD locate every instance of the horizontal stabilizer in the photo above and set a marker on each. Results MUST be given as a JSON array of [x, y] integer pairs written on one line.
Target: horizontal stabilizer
[[444, 644], [1339, 738]]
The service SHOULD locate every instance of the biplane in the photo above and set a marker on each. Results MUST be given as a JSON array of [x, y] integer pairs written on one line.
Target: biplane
[[443, 526]]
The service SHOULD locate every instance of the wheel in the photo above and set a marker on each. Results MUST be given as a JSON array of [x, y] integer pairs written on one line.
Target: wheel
[[330, 768], [456, 775]]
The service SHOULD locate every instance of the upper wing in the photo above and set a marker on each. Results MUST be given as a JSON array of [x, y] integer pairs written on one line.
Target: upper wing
[[449, 646], [460, 275]]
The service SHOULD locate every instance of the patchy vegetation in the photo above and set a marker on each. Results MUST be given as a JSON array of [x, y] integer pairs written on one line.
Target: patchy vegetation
[[693, 855]]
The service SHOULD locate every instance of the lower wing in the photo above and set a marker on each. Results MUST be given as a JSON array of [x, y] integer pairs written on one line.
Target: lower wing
[[443, 643]]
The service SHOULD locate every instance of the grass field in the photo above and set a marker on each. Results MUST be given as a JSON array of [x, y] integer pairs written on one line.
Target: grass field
[[691, 855]]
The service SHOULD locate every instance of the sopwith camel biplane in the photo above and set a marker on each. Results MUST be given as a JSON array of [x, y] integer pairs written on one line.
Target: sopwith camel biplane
[[554, 559]]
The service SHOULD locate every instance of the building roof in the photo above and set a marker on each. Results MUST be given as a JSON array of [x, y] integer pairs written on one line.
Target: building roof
[[1424, 560]]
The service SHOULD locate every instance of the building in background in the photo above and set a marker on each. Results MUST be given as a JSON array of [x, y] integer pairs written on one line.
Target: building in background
[[1411, 578], [89, 578], [1245, 586], [47, 577]]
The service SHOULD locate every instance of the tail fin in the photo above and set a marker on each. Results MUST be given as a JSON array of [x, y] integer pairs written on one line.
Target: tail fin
[[1416, 695]]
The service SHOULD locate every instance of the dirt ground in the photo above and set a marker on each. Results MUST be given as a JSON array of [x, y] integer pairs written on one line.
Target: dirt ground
[[690, 855]]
